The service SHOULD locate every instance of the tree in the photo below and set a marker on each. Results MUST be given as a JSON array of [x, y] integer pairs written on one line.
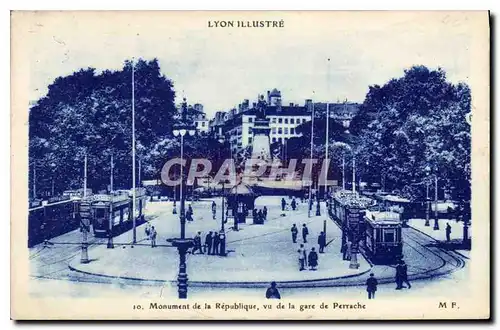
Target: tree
[[414, 123], [89, 113]]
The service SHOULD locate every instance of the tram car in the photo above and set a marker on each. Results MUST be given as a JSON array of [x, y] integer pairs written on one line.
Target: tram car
[[113, 213], [51, 218], [383, 242]]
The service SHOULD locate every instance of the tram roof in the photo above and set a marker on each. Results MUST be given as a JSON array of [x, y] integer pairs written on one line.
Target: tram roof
[[380, 217]]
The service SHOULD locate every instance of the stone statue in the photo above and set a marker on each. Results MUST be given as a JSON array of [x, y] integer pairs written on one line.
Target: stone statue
[[261, 107]]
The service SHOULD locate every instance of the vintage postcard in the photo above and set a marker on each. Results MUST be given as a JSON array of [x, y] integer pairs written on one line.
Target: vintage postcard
[[239, 165]]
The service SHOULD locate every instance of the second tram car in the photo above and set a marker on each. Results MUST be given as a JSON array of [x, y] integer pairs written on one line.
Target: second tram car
[[383, 242], [51, 218], [113, 213]]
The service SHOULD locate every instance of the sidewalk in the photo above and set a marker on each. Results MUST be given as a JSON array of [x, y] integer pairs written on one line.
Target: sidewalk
[[457, 230], [256, 253]]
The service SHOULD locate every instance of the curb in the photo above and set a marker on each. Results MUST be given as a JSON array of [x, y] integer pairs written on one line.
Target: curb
[[229, 284]]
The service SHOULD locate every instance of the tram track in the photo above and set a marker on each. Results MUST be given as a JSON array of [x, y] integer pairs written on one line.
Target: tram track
[[449, 264]]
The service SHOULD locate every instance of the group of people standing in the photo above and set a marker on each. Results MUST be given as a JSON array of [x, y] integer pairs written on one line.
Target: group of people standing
[[308, 259], [151, 234], [215, 243], [284, 204], [260, 215]]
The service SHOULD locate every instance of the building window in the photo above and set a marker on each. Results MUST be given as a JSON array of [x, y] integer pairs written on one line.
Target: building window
[[292, 130], [249, 130], [280, 120], [250, 120], [274, 120], [274, 140], [286, 120], [280, 130], [249, 140], [292, 121], [274, 130], [303, 120], [281, 140], [286, 130], [203, 124]]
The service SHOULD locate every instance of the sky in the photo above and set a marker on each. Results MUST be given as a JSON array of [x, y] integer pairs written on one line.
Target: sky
[[219, 67]]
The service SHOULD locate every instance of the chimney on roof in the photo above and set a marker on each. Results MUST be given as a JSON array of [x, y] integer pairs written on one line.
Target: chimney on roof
[[291, 104]]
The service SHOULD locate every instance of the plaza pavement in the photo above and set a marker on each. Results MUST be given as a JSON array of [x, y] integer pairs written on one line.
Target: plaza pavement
[[256, 253]]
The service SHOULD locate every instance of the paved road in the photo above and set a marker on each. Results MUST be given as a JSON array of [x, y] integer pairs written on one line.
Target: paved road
[[50, 264]]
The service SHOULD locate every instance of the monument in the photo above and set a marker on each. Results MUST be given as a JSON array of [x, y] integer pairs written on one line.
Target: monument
[[261, 144]]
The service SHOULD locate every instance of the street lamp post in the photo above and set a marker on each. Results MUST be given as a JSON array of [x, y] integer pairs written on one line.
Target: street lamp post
[[182, 244], [427, 206], [111, 211], [84, 216], [312, 145], [436, 220]]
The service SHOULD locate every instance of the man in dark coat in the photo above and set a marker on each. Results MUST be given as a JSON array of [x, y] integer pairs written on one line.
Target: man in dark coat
[[322, 242], [272, 292], [404, 274], [264, 212], [305, 232], [295, 232], [209, 242], [260, 216], [371, 286], [294, 204], [448, 232], [399, 283], [312, 259], [216, 243], [283, 204]]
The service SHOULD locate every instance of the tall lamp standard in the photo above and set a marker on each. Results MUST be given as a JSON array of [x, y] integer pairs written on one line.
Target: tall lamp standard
[[53, 170], [222, 251], [34, 179], [348, 147], [182, 244], [429, 174]]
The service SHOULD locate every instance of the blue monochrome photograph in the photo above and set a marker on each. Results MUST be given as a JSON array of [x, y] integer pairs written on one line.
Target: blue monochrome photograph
[[250, 165]]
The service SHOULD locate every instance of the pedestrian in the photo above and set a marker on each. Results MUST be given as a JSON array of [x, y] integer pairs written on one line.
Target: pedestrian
[[295, 232], [448, 232], [147, 230], [272, 292], [302, 257], [312, 259], [209, 242], [305, 232], [322, 242], [399, 280], [264, 212], [371, 286], [214, 209], [216, 242], [404, 274], [153, 237], [347, 251], [197, 244], [260, 216], [294, 204], [283, 204]]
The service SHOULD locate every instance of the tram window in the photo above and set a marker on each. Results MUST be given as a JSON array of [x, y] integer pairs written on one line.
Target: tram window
[[389, 236], [99, 213]]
